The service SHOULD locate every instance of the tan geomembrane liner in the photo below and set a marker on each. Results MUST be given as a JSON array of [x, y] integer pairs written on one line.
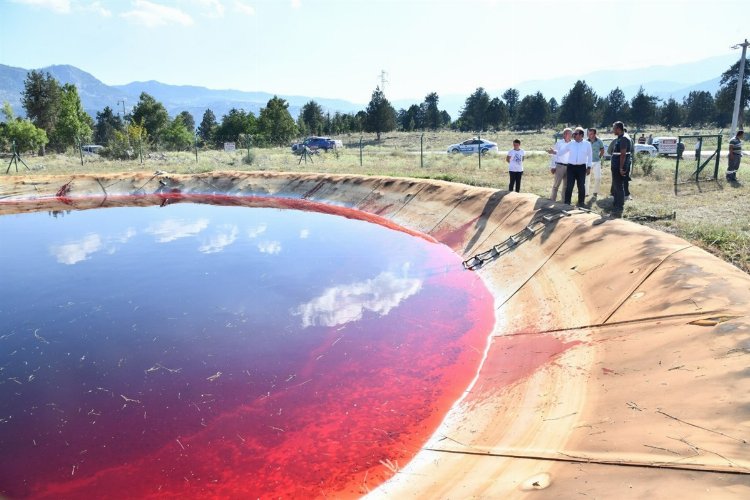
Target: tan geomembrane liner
[[619, 366]]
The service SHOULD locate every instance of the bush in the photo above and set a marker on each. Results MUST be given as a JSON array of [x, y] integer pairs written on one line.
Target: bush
[[647, 163], [249, 157]]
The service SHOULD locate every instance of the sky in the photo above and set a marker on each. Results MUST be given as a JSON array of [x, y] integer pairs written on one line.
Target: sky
[[340, 48]]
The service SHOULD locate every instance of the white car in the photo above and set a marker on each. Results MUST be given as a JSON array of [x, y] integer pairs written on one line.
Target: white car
[[473, 146], [646, 149]]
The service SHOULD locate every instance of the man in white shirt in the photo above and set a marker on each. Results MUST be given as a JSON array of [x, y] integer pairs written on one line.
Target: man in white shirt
[[559, 166], [579, 166]]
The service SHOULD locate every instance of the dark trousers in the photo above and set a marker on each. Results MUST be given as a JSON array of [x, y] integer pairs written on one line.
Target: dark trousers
[[620, 185], [577, 176], [515, 180], [732, 172]]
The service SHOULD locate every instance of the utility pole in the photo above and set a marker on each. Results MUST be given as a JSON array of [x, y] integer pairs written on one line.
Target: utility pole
[[740, 82], [122, 101], [383, 80]]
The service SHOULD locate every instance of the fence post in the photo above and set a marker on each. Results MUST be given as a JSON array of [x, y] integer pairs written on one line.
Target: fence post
[[421, 150], [718, 156], [479, 149], [80, 149], [360, 150]]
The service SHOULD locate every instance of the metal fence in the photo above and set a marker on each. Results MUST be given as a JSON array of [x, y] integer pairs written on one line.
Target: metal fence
[[697, 159]]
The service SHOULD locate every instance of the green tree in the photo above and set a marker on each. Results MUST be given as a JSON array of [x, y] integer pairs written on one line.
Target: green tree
[[311, 116], [474, 113], [25, 134], [410, 119], [188, 121], [599, 109], [233, 124], [700, 108], [207, 128], [643, 109], [380, 116], [176, 136], [670, 114], [554, 112], [533, 112], [41, 99], [151, 114], [445, 119], [275, 124], [616, 108], [430, 112], [73, 123], [577, 106], [511, 97], [727, 92], [127, 143], [106, 124], [497, 113]]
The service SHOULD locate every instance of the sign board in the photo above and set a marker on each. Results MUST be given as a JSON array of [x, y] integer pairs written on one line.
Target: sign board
[[229, 146], [667, 145]]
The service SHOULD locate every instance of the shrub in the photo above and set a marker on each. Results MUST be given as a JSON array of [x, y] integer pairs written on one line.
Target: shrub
[[646, 163], [249, 157]]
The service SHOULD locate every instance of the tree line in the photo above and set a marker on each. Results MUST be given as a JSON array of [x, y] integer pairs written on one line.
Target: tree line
[[56, 119]]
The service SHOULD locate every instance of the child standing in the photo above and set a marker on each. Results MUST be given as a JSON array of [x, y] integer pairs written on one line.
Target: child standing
[[515, 165]]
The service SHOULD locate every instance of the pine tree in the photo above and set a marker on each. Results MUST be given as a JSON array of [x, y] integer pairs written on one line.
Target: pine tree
[[380, 116]]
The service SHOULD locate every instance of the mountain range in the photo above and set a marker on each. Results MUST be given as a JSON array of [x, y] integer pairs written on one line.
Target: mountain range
[[662, 81]]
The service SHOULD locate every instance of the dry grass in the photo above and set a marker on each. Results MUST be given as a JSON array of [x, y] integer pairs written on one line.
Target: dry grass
[[713, 215]]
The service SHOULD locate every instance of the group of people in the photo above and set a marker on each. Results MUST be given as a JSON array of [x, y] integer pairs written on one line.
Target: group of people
[[576, 160]]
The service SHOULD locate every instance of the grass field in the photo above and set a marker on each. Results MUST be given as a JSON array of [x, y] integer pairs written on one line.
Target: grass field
[[713, 215]]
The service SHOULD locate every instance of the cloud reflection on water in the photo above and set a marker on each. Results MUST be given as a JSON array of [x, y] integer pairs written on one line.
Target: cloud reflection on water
[[346, 303], [174, 229], [269, 247], [80, 250], [224, 238]]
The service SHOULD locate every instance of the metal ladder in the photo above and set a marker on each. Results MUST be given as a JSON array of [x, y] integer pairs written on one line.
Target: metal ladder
[[525, 234]]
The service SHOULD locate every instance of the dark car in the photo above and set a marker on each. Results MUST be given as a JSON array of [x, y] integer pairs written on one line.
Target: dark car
[[315, 143]]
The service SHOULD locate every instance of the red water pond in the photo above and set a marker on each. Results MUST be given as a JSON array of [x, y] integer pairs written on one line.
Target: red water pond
[[195, 350]]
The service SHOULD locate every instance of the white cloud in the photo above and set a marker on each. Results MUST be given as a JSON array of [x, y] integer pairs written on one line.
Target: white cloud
[[296, 4], [254, 232], [59, 6], [211, 8], [97, 8], [173, 229], [269, 247], [76, 251], [221, 240], [244, 8], [124, 237], [304, 234], [153, 15], [345, 303]]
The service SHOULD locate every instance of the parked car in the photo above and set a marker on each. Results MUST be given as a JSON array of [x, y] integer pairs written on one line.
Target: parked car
[[315, 143], [92, 149], [646, 149], [472, 146]]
